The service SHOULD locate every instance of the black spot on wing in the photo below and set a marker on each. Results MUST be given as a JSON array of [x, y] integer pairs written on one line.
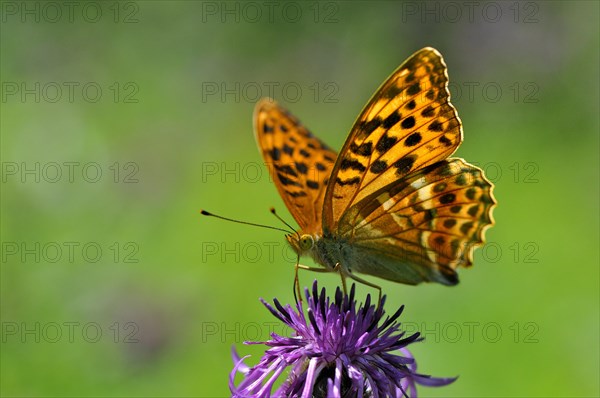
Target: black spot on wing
[[404, 165], [419, 208], [301, 167], [366, 149], [470, 193], [275, 154], [287, 169], [353, 164], [486, 199], [385, 143], [267, 129], [414, 89], [449, 223], [312, 184], [413, 139], [428, 111], [391, 120], [473, 210], [288, 149], [428, 214], [439, 240], [378, 166], [435, 126], [392, 91], [411, 64], [447, 198], [370, 126], [439, 187], [351, 181], [437, 79], [445, 141], [304, 153], [466, 227], [286, 181], [408, 123], [296, 194], [461, 180]]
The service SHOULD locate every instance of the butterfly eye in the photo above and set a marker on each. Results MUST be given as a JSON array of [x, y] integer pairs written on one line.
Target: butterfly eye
[[306, 242]]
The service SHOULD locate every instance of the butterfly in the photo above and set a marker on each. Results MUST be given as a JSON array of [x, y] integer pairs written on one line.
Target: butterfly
[[393, 204]]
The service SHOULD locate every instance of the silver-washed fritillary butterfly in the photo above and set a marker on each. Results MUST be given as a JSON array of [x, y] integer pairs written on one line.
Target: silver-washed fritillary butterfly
[[392, 204]]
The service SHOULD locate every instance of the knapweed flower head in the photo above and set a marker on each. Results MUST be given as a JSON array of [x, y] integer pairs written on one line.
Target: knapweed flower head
[[337, 349]]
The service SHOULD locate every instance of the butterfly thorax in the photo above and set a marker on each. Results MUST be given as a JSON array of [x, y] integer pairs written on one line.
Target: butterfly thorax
[[325, 250]]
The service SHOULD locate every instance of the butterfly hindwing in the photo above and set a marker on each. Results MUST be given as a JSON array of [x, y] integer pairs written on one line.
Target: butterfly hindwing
[[408, 124], [299, 163], [428, 224]]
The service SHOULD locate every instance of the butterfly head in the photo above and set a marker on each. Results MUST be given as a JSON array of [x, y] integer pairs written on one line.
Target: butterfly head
[[301, 243]]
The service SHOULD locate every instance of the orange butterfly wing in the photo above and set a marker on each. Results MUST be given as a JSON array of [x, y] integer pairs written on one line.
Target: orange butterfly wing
[[408, 124], [425, 225], [408, 213], [299, 163]]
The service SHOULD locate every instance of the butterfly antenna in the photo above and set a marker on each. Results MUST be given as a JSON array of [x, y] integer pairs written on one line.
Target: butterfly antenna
[[283, 221], [206, 213]]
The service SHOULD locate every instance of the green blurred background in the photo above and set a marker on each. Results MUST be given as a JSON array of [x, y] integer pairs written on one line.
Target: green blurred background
[[120, 121]]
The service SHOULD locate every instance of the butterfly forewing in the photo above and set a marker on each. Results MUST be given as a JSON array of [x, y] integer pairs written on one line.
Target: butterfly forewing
[[407, 125], [299, 163]]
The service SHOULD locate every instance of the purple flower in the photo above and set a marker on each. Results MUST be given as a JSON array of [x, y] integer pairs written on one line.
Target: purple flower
[[336, 350]]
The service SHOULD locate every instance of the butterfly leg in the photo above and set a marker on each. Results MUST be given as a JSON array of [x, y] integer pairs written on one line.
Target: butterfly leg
[[296, 288], [297, 292], [364, 282], [338, 268]]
